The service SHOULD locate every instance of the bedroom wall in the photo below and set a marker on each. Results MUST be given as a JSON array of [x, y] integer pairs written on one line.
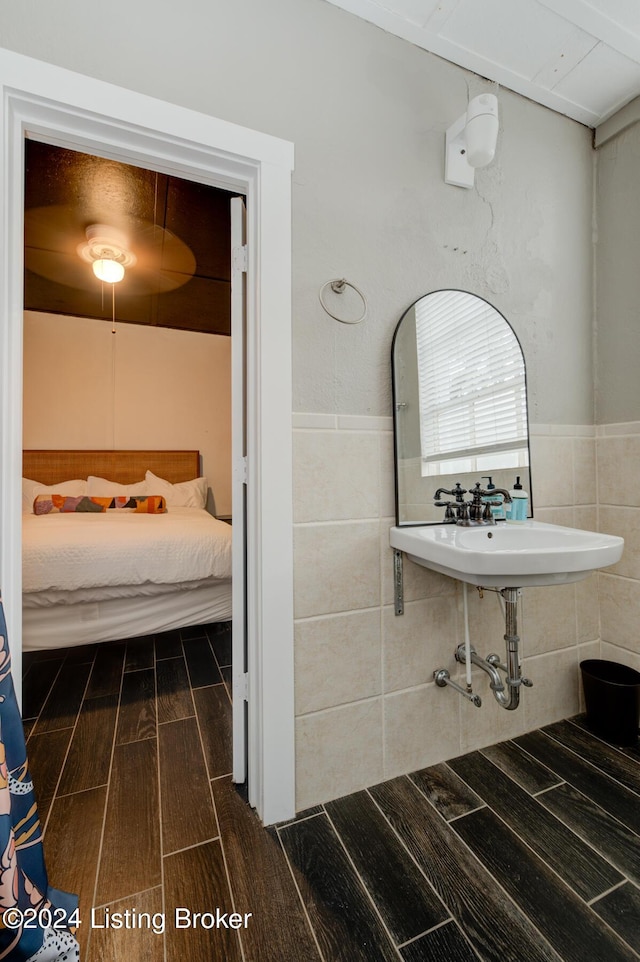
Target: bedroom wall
[[143, 387], [367, 113]]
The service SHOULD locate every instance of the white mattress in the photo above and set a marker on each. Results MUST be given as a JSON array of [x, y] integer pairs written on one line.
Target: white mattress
[[81, 596], [79, 624], [84, 551]]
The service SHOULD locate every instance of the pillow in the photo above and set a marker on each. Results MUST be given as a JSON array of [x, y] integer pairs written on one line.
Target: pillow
[[185, 494], [30, 490], [64, 504], [102, 488]]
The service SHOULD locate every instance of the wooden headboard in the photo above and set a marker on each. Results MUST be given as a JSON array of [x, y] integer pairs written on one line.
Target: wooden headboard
[[125, 467]]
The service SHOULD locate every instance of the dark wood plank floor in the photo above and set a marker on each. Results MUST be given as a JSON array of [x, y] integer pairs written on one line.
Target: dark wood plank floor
[[528, 851]]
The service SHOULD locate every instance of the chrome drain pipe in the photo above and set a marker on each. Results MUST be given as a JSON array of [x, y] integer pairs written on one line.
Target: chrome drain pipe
[[514, 678], [490, 668], [509, 699]]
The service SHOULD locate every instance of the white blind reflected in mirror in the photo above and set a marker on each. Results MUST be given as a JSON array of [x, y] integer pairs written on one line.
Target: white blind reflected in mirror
[[471, 382]]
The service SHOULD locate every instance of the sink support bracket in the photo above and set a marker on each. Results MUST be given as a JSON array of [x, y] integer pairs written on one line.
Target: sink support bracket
[[398, 582]]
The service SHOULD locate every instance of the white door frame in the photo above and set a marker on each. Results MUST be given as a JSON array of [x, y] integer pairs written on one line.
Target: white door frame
[[69, 110]]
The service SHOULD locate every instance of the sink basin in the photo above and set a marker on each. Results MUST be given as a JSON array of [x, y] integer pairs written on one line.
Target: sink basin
[[509, 556]]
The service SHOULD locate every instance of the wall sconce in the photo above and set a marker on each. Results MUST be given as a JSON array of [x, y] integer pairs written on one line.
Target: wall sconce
[[471, 141]]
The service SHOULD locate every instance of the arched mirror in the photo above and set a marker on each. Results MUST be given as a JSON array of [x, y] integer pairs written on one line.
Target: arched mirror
[[460, 403]]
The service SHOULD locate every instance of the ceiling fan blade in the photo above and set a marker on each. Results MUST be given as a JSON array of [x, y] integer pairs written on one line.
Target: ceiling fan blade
[[60, 267], [141, 282], [158, 249], [52, 235], [54, 228]]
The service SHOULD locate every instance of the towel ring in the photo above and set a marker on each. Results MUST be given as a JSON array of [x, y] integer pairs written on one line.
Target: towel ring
[[338, 287]]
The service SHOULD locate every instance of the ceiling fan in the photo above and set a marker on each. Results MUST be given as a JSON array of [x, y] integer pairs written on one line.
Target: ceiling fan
[[60, 247]]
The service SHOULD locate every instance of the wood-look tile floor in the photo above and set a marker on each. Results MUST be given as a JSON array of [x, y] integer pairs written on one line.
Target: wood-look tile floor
[[526, 851]]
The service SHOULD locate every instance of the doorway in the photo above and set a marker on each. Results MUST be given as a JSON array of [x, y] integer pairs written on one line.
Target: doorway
[[48, 103], [144, 363]]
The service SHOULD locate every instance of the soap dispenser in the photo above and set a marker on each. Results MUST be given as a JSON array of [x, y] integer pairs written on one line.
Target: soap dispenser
[[519, 503], [497, 510]]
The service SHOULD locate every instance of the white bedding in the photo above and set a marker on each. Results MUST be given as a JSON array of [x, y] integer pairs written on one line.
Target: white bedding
[[68, 552], [80, 624]]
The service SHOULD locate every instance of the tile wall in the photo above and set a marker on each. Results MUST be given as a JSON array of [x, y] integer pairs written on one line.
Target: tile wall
[[366, 705], [618, 454]]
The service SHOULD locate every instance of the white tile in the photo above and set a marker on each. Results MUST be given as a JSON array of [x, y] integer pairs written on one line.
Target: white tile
[[539, 430], [619, 605], [336, 567], [490, 723], [486, 622], [363, 422], [547, 619], [386, 476], [337, 660], [617, 460], [622, 655], [303, 419], [338, 752], [552, 471], [584, 470], [624, 522], [590, 649], [421, 727], [555, 691], [419, 642], [585, 652], [335, 476], [626, 427], [585, 517], [562, 430], [564, 515], [588, 609]]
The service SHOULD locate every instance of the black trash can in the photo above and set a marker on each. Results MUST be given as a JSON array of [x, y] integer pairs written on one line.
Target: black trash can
[[612, 699]]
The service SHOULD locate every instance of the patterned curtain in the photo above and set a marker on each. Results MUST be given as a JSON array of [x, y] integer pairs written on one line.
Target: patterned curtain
[[34, 918]]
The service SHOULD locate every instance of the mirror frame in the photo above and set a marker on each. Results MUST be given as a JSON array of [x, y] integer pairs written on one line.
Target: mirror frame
[[394, 396]]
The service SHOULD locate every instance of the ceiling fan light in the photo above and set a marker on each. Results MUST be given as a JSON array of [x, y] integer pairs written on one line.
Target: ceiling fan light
[[108, 270]]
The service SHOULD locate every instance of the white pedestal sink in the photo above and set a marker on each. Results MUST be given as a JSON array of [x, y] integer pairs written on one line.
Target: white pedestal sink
[[508, 555]]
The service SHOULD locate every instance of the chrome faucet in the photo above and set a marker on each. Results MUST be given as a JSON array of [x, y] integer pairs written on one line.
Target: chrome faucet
[[457, 492], [469, 513]]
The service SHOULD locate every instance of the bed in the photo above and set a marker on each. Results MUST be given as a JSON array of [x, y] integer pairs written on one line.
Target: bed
[[98, 575]]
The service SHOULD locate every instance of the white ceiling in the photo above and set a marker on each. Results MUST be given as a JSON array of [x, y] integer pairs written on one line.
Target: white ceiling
[[579, 57]]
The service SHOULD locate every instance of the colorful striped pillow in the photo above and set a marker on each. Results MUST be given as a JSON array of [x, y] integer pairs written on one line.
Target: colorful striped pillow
[[65, 504]]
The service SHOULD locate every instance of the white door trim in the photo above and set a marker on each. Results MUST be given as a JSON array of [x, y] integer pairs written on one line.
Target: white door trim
[[70, 110], [239, 673]]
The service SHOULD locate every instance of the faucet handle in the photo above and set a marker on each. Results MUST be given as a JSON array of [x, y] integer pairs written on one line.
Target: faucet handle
[[477, 492], [449, 514], [458, 491]]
